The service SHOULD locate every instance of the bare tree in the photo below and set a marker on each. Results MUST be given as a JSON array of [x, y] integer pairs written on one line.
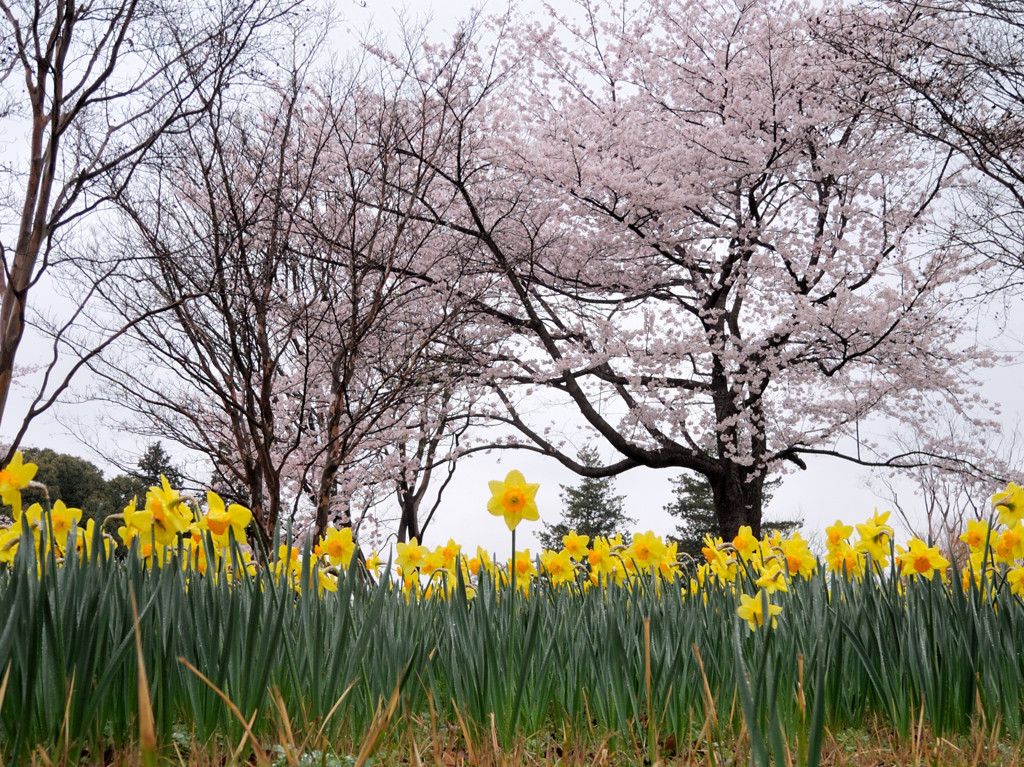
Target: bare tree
[[94, 86], [936, 502], [440, 422]]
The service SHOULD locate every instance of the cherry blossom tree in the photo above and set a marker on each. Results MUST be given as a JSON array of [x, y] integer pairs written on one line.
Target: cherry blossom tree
[[683, 223]]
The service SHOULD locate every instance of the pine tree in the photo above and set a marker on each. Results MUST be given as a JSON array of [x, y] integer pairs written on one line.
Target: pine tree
[[153, 463], [590, 508], [694, 506], [156, 462]]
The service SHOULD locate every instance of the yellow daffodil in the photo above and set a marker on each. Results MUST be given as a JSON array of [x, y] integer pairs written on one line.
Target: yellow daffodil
[[668, 566], [600, 558], [845, 560], [288, 566], [646, 551], [9, 540], [449, 555], [433, 562], [1010, 544], [222, 523], [1015, 579], [195, 555], [373, 563], [61, 520], [410, 556], [14, 478], [1009, 504], [799, 559], [166, 514], [875, 535], [722, 563], [920, 559], [745, 543], [752, 609], [513, 499], [838, 533], [84, 537], [977, 535], [772, 579], [576, 545], [338, 546], [524, 565], [558, 566], [326, 581], [34, 517]]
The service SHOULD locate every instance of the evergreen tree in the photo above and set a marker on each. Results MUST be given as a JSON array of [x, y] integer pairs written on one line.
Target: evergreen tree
[[694, 506], [68, 478], [590, 508], [154, 463]]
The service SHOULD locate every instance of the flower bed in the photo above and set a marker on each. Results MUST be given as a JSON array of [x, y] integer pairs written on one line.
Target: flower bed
[[605, 641]]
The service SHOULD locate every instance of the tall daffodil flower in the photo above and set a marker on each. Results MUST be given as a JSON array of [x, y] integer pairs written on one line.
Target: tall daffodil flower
[[921, 559], [1010, 544], [13, 479], [1009, 504], [647, 550], [222, 522], [373, 563], [168, 514], [845, 560], [838, 533], [576, 545], [450, 553], [558, 566], [752, 609], [338, 546], [745, 543], [977, 535], [433, 563], [62, 519], [773, 578], [9, 539], [513, 499], [799, 559], [1015, 578], [875, 535], [410, 556], [524, 570], [600, 558]]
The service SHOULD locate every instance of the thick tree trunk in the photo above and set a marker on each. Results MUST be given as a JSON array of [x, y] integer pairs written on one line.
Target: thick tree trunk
[[332, 460], [409, 526], [738, 501]]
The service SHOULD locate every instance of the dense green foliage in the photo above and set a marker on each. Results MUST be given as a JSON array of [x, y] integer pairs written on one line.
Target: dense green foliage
[[568, 657], [75, 481]]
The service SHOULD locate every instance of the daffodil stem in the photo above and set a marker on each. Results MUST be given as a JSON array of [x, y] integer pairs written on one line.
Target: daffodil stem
[[512, 566], [511, 621]]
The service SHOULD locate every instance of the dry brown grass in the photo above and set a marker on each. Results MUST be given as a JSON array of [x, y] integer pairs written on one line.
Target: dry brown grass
[[421, 742]]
